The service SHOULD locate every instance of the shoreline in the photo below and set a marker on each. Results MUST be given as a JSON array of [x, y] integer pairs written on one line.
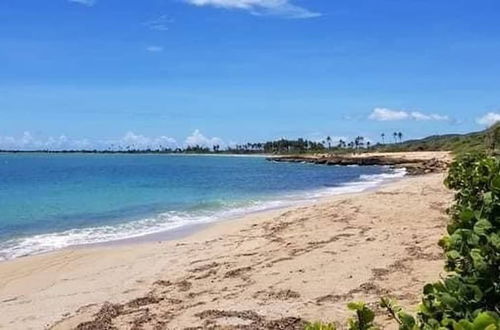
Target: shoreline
[[191, 229], [415, 163], [43, 289], [289, 200]]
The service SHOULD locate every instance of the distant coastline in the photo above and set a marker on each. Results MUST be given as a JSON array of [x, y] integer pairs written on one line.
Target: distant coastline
[[487, 140]]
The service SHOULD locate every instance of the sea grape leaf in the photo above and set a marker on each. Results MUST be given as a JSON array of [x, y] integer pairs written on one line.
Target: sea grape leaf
[[463, 325], [488, 198], [495, 183], [453, 254], [483, 321], [449, 300], [477, 259], [355, 306], [467, 215], [408, 321], [495, 240], [482, 227]]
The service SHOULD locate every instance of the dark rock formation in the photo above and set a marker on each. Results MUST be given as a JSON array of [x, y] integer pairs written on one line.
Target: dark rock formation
[[413, 166]]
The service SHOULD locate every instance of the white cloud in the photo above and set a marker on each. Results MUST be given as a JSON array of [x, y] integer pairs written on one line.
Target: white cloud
[[421, 116], [88, 3], [135, 141], [28, 142], [130, 140], [198, 139], [283, 8], [154, 49], [138, 141], [489, 119], [384, 114], [159, 24]]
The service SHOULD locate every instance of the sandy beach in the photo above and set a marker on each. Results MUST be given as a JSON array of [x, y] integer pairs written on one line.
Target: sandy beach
[[263, 271]]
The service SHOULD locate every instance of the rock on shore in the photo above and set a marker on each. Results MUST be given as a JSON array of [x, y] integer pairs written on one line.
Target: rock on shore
[[414, 166]]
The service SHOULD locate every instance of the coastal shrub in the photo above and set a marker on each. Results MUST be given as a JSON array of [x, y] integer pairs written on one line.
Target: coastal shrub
[[468, 298], [362, 320]]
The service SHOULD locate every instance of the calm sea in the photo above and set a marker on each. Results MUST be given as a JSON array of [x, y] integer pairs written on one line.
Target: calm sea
[[51, 201]]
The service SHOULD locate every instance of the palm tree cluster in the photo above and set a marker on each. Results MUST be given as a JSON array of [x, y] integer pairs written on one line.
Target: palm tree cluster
[[279, 146], [398, 137], [301, 145]]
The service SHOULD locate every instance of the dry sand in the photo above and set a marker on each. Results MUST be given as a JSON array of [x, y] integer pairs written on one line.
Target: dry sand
[[306, 262]]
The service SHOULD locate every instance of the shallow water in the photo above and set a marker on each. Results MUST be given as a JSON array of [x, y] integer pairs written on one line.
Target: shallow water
[[51, 201]]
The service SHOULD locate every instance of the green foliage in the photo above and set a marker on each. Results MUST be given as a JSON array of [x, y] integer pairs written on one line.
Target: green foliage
[[469, 297], [487, 141], [405, 320], [363, 319], [320, 326], [482, 321], [472, 245]]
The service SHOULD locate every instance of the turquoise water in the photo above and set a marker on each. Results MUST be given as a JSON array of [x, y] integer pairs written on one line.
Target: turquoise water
[[50, 201]]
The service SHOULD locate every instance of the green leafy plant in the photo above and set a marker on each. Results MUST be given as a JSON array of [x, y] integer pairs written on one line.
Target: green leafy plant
[[363, 319], [405, 320], [320, 326], [469, 297]]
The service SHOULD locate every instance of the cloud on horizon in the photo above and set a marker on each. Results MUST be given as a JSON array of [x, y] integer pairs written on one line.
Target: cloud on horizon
[[138, 141], [489, 119], [384, 114], [281, 8], [28, 141], [198, 139], [88, 3]]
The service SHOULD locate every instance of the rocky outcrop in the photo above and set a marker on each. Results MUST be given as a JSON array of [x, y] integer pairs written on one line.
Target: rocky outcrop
[[425, 167], [413, 166]]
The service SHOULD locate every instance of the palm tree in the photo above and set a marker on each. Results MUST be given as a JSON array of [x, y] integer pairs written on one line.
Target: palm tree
[[368, 144], [358, 142], [400, 136], [329, 140], [383, 138], [395, 135]]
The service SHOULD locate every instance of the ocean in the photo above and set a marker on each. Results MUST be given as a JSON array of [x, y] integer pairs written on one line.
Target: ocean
[[52, 201]]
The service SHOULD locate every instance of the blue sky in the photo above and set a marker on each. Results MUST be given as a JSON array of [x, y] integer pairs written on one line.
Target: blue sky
[[82, 72]]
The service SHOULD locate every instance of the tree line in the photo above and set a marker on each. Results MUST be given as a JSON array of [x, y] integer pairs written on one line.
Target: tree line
[[280, 146]]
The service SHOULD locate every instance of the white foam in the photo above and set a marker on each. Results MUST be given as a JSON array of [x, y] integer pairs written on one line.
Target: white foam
[[174, 219]]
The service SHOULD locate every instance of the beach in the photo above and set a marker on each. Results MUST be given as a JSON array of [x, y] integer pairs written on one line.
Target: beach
[[263, 270]]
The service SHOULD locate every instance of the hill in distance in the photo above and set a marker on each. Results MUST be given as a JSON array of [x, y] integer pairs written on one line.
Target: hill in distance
[[483, 141]]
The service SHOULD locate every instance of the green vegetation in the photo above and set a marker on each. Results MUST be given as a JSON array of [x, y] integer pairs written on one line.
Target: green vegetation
[[474, 142], [468, 298], [484, 141], [362, 320], [320, 326], [458, 143]]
